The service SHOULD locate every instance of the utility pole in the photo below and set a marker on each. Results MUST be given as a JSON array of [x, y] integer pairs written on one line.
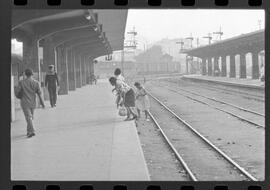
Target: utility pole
[[122, 60], [189, 58], [132, 43], [181, 49], [219, 33], [182, 44], [198, 64], [259, 24], [209, 37], [191, 39]]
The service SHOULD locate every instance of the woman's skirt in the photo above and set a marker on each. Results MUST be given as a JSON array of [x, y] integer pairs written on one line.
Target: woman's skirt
[[130, 98], [143, 103]]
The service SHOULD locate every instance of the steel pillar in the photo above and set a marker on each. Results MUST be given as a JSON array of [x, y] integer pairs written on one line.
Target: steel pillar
[[203, 66], [243, 68], [187, 64], [232, 66], [209, 63], [216, 67], [223, 66], [255, 64]]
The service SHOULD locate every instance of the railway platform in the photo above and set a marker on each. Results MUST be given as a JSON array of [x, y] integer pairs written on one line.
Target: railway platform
[[236, 82], [83, 138]]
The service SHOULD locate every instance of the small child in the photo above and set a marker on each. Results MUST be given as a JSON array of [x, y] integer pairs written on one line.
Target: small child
[[142, 101]]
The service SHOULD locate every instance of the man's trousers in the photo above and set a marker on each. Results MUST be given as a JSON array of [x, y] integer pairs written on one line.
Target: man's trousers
[[53, 96]]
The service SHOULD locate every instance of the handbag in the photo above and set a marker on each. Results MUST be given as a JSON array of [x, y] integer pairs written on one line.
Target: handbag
[[122, 111], [18, 91]]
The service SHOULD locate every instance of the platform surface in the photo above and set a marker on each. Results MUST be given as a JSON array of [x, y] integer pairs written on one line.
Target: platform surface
[[247, 82], [83, 138]]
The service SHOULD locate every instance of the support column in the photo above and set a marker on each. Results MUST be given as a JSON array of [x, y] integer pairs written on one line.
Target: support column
[[203, 66], [62, 70], [48, 54], [71, 70], [31, 60], [48, 59], [223, 66], [187, 64], [91, 70], [243, 68], [83, 70], [87, 61], [78, 71], [216, 67], [255, 64], [232, 66], [30, 55], [209, 63]]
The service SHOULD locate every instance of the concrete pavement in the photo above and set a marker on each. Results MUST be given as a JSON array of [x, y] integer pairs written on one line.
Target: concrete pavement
[[83, 138], [247, 82]]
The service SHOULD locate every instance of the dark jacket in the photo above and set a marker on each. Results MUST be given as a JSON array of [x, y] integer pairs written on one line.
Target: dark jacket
[[51, 79]]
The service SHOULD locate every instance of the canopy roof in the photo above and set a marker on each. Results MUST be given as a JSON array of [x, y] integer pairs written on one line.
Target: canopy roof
[[242, 43]]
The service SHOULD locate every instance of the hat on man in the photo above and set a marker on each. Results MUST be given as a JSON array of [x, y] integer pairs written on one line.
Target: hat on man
[[51, 66]]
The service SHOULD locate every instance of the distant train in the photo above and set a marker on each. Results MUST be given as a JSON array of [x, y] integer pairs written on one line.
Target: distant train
[[105, 69]]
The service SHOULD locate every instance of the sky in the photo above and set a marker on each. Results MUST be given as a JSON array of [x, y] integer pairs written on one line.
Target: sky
[[154, 25]]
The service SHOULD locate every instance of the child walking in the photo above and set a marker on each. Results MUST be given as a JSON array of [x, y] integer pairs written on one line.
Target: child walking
[[142, 101]]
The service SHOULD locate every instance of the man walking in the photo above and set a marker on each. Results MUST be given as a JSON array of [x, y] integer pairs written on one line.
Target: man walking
[[52, 83], [28, 88]]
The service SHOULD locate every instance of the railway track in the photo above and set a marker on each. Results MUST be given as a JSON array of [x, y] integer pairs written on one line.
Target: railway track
[[243, 114], [225, 90], [200, 158]]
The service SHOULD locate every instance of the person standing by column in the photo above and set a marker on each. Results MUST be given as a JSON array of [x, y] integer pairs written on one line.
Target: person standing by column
[[52, 83], [26, 91]]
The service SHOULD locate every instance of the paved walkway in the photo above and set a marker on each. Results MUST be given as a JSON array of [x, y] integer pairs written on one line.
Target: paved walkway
[[83, 138], [248, 82]]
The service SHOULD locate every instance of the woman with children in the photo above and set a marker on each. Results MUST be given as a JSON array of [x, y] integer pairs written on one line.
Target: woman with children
[[134, 103]]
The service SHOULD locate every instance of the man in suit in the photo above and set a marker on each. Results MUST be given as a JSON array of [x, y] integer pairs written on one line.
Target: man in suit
[[52, 83]]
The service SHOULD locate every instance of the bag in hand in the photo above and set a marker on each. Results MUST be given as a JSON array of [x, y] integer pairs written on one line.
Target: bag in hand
[[18, 92], [122, 111]]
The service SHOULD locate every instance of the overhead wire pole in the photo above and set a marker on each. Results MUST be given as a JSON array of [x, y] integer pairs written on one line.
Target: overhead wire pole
[[209, 37], [181, 48], [219, 33], [129, 44], [198, 63], [122, 61], [189, 58], [260, 24]]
